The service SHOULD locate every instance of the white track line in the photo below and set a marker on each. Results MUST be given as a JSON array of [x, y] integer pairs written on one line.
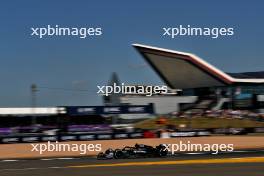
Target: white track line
[[42, 159], [195, 153], [9, 160], [33, 168], [65, 158], [30, 168], [46, 159]]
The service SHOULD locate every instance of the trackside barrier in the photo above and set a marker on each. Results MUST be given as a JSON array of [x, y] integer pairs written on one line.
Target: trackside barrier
[[110, 136]]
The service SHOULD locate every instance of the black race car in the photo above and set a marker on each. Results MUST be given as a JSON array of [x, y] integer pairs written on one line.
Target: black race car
[[138, 151], [108, 154]]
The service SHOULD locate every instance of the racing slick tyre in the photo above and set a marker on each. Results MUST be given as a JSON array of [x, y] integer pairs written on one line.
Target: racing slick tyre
[[118, 154], [100, 155], [163, 153]]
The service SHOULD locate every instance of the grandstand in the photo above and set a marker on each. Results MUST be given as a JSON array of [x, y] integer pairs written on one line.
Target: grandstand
[[196, 77]]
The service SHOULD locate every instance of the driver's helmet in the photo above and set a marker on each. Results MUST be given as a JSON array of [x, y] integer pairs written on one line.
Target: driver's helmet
[[108, 151]]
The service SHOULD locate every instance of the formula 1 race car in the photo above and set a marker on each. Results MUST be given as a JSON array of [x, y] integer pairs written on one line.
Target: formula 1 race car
[[138, 151]]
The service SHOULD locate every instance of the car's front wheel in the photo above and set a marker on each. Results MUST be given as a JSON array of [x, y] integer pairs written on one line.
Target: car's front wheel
[[118, 154]]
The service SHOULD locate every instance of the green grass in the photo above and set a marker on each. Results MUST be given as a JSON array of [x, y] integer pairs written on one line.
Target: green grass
[[201, 122]]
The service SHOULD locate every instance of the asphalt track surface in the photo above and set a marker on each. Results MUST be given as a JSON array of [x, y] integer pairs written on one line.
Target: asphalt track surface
[[241, 163]]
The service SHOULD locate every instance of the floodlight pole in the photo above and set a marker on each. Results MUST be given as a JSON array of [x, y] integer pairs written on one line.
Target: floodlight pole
[[33, 103]]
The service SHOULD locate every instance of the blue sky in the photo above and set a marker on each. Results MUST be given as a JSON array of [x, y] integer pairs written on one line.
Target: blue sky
[[72, 63]]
